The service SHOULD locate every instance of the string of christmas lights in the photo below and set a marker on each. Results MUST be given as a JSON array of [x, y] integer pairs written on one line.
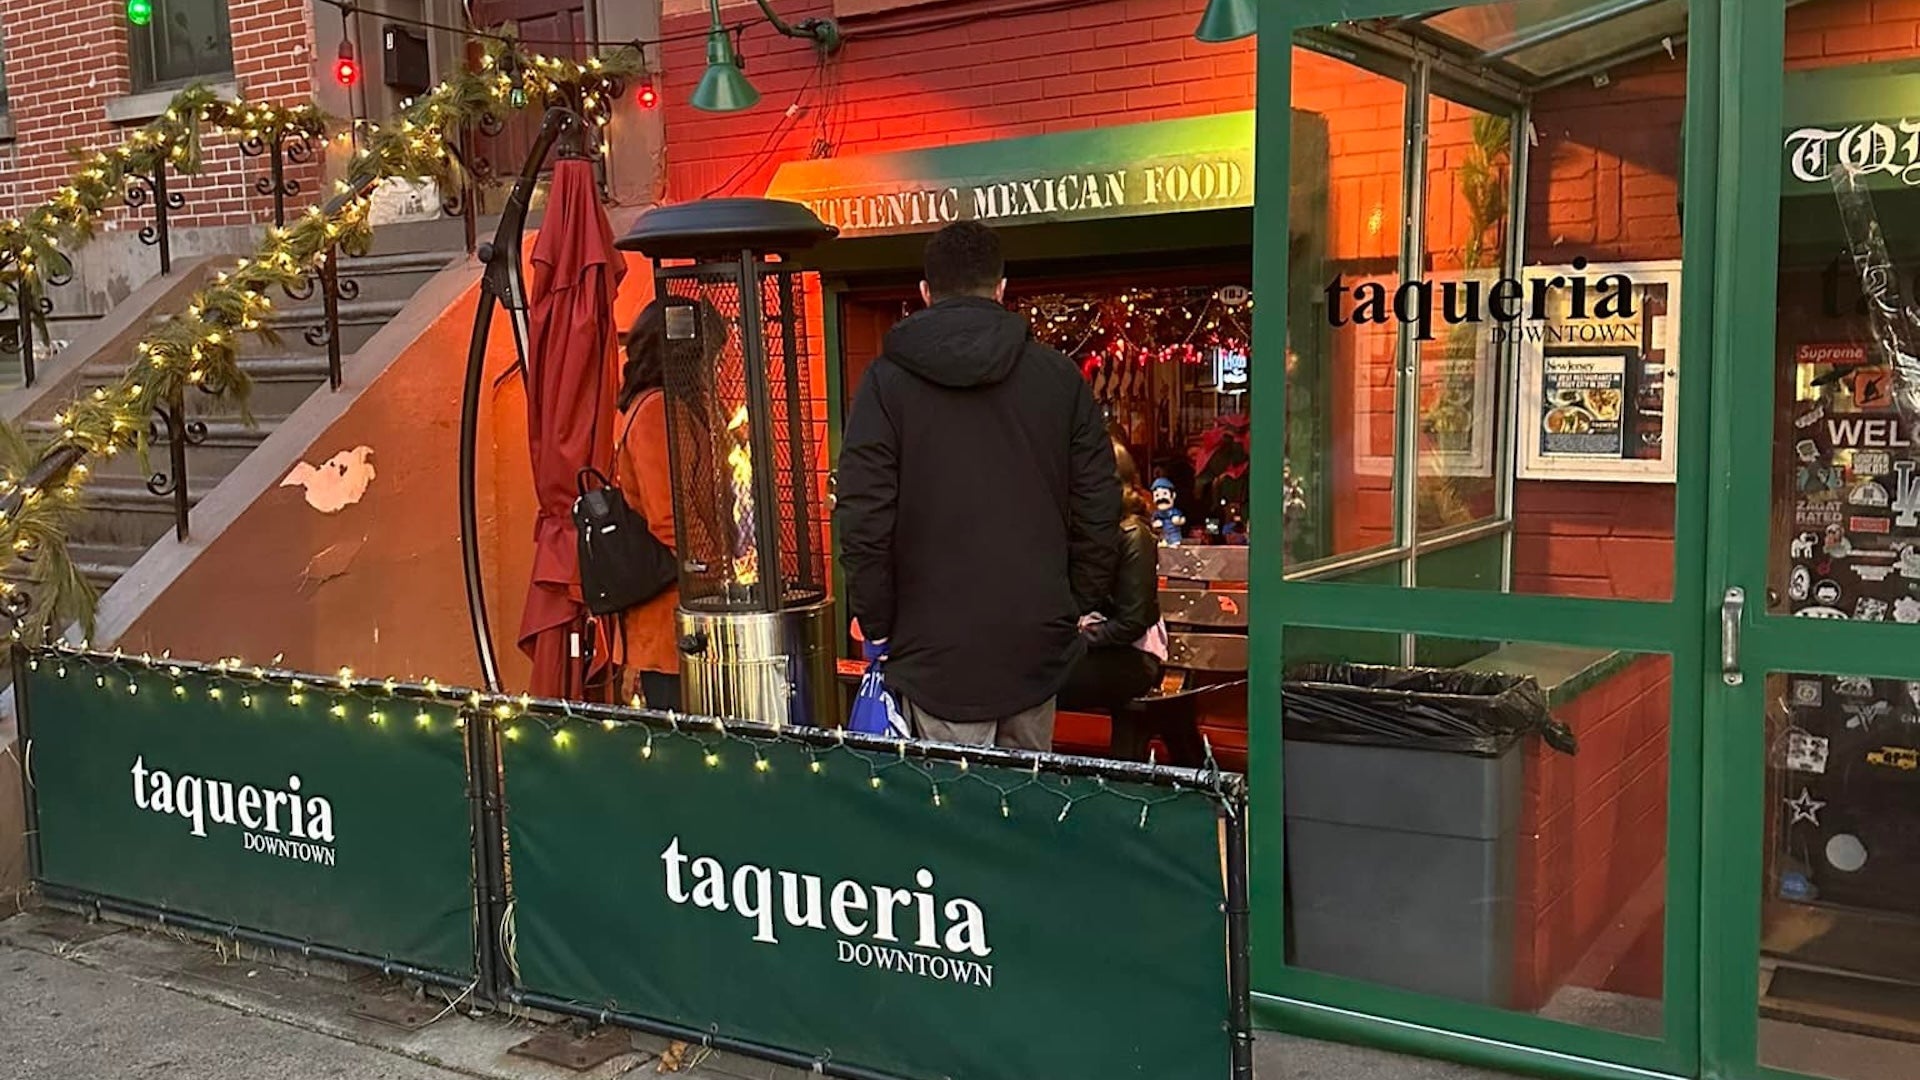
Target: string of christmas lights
[[1143, 326], [717, 744]]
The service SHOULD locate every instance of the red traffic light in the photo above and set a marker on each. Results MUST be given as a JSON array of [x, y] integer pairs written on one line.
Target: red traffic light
[[649, 97], [346, 70]]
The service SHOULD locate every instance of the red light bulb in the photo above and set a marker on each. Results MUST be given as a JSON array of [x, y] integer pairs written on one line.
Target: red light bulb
[[346, 70], [649, 97]]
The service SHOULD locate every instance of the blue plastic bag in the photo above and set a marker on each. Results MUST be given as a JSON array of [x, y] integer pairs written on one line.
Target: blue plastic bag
[[875, 711]]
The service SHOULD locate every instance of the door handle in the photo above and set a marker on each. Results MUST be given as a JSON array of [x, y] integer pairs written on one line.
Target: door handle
[[1731, 607]]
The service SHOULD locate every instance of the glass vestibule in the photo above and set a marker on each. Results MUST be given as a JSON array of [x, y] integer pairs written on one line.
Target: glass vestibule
[[1493, 342]]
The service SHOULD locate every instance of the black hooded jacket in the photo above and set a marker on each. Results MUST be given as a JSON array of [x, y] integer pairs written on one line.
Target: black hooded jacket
[[977, 510]]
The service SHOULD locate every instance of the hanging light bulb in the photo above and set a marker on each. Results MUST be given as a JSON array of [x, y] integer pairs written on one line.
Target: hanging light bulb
[[346, 69]]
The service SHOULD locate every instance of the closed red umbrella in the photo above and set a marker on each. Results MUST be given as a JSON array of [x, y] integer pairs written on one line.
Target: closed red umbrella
[[570, 413]]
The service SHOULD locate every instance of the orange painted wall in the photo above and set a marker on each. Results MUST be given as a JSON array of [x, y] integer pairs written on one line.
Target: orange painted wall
[[378, 586]]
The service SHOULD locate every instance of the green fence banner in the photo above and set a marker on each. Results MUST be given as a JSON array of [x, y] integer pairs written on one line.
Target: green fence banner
[[917, 918], [331, 815]]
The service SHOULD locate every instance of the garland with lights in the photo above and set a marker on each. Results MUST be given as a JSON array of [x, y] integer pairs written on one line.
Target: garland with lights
[[199, 348], [34, 247]]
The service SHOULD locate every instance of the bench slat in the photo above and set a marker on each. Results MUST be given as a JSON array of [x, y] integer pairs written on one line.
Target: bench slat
[[1202, 562], [1208, 652], [1204, 607]]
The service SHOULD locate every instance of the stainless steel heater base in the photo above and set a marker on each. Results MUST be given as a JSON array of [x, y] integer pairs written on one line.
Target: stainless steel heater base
[[771, 668]]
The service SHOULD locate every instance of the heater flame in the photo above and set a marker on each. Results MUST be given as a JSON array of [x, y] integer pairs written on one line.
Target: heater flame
[[746, 563]]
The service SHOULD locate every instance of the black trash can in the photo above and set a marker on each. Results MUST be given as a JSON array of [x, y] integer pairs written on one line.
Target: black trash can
[[1403, 795]]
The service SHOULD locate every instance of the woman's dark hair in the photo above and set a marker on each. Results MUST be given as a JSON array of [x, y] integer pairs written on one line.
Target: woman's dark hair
[[646, 346], [646, 366], [1133, 500]]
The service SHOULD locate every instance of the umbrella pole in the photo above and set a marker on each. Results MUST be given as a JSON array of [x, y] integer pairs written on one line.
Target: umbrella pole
[[469, 509], [502, 282]]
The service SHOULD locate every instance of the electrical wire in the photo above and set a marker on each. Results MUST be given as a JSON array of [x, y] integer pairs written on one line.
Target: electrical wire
[[351, 7], [780, 131]]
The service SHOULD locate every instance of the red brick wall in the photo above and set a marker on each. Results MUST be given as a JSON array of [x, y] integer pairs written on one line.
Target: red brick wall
[[1594, 841], [67, 58], [1603, 184], [1852, 32], [1366, 126], [1001, 76]]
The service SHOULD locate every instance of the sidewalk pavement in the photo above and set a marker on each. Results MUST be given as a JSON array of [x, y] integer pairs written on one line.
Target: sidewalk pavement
[[103, 1002]]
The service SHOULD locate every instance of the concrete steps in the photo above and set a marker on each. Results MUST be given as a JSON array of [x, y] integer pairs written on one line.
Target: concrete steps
[[280, 384], [62, 329], [124, 518]]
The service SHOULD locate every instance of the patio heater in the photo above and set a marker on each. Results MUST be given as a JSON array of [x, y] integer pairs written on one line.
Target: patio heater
[[755, 619]]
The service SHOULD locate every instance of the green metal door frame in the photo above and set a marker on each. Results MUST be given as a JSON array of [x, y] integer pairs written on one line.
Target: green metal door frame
[[1322, 1005], [1753, 51]]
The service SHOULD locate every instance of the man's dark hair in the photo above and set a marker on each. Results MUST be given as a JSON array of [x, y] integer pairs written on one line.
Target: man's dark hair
[[964, 259]]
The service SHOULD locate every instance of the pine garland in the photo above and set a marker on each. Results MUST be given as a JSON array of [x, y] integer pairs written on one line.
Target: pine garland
[[199, 349]]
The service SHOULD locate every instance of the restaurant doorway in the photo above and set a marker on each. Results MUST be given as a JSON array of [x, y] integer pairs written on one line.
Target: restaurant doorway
[[1814, 715], [1518, 311]]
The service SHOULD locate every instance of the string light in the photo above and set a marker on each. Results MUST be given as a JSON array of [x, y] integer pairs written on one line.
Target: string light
[[564, 726]]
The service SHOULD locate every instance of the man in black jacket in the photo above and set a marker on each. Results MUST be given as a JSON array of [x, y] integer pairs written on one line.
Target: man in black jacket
[[977, 509]]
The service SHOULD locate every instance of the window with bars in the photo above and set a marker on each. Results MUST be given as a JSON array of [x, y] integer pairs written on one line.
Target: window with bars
[[186, 41]]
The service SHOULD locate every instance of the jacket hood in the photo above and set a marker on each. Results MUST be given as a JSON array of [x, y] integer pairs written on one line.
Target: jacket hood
[[959, 342]]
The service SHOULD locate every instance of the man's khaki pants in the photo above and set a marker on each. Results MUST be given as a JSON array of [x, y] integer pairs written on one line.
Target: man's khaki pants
[[1031, 729]]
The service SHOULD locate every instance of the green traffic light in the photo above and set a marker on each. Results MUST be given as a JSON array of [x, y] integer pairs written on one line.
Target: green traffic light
[[140, 12]]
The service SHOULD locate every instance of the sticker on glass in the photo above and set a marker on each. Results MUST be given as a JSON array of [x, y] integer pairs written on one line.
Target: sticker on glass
[[1869, 493], [1806, 752], [1903, 758], [1906, 498], [1805, 808], [1862, 716], [1846, 853], [1853, 686]]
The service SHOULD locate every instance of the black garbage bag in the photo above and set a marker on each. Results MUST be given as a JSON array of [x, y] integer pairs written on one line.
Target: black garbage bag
[[1459, 712]]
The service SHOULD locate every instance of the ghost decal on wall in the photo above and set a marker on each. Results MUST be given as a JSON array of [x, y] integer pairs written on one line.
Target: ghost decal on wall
[[337, 483]]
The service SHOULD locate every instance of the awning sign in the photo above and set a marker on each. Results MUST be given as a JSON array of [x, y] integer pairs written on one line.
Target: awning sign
[[1204, 163]]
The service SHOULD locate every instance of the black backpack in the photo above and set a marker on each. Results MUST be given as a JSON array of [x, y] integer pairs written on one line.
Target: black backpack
[[622, 564]]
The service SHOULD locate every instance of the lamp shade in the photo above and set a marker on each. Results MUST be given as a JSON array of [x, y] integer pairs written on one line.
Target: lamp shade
[[724, 88], [1228, 20]]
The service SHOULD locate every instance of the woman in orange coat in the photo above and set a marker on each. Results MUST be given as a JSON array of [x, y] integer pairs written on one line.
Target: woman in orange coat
[[646, 479]]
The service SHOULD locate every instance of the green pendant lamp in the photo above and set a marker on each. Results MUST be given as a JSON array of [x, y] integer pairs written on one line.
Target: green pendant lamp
[[724, 88], [1227, 20]]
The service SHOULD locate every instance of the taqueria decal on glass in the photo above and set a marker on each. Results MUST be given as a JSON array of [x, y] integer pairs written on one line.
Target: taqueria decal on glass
[[1582, 309]]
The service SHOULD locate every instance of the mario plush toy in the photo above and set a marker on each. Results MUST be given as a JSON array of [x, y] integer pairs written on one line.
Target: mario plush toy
[[1166, 516]]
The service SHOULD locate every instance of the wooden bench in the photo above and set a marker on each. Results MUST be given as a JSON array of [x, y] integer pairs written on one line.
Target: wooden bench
[[1203, 600]]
